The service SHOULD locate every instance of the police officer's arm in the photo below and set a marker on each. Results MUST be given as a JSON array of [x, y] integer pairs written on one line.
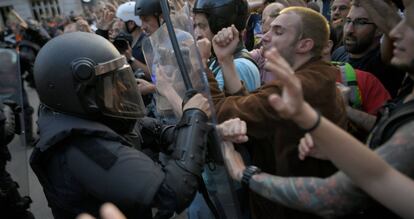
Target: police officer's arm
[[367, 169], [129, 179]]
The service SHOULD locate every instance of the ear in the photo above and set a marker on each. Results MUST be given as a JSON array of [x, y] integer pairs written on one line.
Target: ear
[[327, 49], [304, 45]]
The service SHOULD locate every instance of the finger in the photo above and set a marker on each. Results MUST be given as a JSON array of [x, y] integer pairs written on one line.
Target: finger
[[302, 154], [309, 140], [84, 216], [243, 127], [109, 211], [241, 139], [277, 103]]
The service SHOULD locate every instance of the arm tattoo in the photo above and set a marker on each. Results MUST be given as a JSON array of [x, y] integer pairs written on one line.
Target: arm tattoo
[[335, 196], [331, 197], [360, 118], [398, 151]]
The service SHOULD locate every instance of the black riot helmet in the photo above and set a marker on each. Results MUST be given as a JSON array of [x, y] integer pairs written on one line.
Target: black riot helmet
[[83, 74], [148, 8], [223, 13]]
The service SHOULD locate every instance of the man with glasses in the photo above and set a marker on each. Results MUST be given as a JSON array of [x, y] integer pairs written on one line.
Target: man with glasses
[[362, 48]]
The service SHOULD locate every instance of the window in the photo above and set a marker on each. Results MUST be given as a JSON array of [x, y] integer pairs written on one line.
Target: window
[[4, 11], [45, 8]]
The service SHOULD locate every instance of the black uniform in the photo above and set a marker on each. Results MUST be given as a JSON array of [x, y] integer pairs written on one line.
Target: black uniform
[[90, 103], [12, 205]]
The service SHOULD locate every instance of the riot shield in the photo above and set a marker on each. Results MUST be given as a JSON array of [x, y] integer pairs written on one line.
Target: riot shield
[[11, 94], [173, 88]]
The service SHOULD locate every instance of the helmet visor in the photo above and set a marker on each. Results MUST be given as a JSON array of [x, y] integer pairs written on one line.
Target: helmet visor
[[118, 94]]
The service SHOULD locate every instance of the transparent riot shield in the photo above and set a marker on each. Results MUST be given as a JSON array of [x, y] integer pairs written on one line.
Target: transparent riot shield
[[172, 89], [11, 94]]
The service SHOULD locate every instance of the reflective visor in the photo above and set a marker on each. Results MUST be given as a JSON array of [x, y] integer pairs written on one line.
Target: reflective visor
[[117, 91]]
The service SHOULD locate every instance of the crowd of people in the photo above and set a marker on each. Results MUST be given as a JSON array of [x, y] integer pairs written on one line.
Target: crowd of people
[[308, 103]]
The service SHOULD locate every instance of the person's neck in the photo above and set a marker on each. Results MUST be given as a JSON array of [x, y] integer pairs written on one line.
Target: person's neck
[[360, 55], [300, 60]]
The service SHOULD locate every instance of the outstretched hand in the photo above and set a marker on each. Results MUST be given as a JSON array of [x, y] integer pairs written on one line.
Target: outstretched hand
[[291, 102], [233, 130], [225, 43]]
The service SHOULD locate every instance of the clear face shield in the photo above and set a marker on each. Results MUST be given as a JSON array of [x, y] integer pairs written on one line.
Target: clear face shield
[[118, 93]]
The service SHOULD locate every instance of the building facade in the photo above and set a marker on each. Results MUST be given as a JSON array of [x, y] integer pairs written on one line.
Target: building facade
[[39, 9]]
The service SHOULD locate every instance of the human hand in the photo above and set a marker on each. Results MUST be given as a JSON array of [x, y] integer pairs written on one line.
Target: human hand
[[345, 92], [204, 46], [83, 25], [105, 17], [225, 43], [107, 211], [291, 104], [164, 82], [128, 52], [145, 87], [234, 162], [307, 149], [233, 130], [198, 101]]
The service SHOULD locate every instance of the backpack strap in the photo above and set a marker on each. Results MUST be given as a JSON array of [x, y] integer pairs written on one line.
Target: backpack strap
[[348, 74], [393, 118]]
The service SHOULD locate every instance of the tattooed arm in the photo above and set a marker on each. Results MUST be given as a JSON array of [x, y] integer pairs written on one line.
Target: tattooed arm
[[331, 197], [361, 119]]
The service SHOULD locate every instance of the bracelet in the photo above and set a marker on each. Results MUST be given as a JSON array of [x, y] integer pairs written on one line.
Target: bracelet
[[248, 174], [316, 125]]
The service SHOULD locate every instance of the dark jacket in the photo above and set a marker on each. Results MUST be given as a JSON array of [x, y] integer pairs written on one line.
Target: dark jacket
[[82, 164]]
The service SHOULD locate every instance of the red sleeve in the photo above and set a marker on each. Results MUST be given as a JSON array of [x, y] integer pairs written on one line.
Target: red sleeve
[[373, 93]]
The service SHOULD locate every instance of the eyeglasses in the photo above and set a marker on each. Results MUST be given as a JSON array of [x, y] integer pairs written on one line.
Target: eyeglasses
[[359, 22], [340, 8]]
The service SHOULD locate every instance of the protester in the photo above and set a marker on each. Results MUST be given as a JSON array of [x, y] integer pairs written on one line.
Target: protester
[[301, 34], [337, 195]]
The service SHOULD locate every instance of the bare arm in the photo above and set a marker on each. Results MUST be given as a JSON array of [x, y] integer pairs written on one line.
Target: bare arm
[[224, 44], [331, 197], [367, 170], [360, 118]]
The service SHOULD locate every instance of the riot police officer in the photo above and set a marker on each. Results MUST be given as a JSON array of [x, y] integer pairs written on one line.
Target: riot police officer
[[12, 205], [89, 102]]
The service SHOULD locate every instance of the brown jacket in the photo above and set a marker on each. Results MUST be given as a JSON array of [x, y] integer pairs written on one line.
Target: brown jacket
[[273, 141]]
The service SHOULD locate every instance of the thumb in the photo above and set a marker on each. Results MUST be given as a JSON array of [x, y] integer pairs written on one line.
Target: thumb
[[276, 102]]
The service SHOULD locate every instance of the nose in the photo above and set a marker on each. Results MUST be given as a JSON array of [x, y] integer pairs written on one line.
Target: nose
[[395, 32], [348, 28], [266, 38]]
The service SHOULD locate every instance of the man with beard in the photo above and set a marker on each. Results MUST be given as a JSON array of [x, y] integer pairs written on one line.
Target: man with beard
[[339, 11], [300, 34], [337, 196], [362, 48]]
